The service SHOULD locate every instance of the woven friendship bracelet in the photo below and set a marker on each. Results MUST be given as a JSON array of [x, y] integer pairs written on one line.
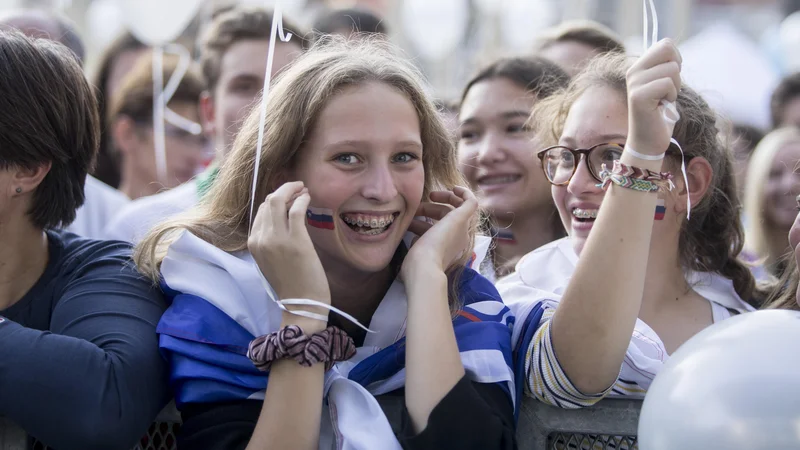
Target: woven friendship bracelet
[[329, 346], [627, 182], [635, 178], [638, 173]]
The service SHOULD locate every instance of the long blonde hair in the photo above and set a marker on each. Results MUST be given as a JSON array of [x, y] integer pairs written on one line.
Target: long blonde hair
[[295, 101], [756, 231]]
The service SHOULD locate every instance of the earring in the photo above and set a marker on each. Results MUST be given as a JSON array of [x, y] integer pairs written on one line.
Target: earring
[[19, 190]]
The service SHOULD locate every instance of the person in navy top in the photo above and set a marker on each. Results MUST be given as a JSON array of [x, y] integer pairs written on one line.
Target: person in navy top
[[79, 364]]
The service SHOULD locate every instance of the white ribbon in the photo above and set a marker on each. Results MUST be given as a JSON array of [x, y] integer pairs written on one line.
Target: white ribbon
[[184, 61], [161, 97], [668, 109], [159, 104], [685, 179], [277, 30], [306, 302]]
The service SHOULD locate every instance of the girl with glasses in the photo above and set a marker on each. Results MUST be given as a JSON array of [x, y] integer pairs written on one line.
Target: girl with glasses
[[651, 255]]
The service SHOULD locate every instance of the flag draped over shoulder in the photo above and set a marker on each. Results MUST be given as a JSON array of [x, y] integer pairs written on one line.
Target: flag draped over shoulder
[[219, 304]]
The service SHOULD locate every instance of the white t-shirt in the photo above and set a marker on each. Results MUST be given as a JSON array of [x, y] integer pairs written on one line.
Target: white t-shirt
[[542, 276], [133, 222], [102, 203]]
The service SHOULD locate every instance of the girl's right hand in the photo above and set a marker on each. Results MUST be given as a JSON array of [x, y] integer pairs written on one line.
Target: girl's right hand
[[282, 248], [655, 77]]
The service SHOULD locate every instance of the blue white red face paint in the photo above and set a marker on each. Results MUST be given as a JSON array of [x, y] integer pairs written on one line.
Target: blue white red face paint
[[320, 218], [661, 209]]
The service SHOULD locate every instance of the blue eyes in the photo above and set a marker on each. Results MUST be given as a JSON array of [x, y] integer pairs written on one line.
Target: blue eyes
[[351, 158], [346, 158], [405, 157]]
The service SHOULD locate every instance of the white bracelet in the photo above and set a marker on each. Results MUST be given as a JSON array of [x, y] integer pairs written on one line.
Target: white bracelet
[[633, 152]]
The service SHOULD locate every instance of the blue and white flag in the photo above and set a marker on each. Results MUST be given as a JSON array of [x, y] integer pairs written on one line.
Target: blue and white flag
[[219, 304]]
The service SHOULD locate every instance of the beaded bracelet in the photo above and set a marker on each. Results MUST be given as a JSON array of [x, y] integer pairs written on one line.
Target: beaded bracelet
[[329, 346], [630, 177]]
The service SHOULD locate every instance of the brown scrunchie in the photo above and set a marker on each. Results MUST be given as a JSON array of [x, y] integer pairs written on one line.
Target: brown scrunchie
[[328, 346]]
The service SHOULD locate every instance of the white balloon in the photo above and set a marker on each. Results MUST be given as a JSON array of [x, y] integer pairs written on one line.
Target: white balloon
[[157, 22], [104, 21], [435, 27], [733, 386], [522, 20], [790, 41]]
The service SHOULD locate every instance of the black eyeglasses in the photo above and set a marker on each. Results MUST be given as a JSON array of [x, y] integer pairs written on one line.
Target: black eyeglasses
[[559, 163]]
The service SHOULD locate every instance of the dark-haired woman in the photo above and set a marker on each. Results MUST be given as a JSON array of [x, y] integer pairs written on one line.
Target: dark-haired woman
[[496, 152], [79, 364]]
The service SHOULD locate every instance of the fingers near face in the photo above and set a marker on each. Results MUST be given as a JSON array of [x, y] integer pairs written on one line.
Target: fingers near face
[[456, 197], [435, 211], [297, 212]]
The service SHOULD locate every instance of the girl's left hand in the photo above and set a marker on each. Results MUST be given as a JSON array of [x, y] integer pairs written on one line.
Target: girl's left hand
[[442, 243]]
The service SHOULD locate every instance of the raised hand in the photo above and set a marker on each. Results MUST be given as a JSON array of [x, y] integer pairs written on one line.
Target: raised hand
[[446, 240], [655, 77], [282, 248]]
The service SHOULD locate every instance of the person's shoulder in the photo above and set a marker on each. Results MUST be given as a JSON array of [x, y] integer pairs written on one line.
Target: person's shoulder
[[73, 247]]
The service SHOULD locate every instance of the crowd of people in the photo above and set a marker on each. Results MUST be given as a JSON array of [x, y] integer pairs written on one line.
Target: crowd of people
[[375, 269]]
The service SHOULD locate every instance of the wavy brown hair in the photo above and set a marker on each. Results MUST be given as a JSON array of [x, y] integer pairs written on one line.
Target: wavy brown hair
[[295, 101], [713, 239]]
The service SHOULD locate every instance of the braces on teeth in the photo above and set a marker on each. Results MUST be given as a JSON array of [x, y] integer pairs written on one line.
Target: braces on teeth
[[584, 214], [372, 223]]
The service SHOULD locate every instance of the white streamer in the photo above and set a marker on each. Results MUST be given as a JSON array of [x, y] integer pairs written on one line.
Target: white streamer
[[668, 109], [184, 61], [306, 302], [161, 96], [277, 30], [159, 134]]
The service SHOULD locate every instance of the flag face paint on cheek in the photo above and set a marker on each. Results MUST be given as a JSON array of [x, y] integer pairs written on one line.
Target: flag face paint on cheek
[[320, 218], [661, 209]]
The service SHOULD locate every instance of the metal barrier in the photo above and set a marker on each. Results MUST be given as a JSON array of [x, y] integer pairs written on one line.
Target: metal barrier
[[160, 436], [611, 424]]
